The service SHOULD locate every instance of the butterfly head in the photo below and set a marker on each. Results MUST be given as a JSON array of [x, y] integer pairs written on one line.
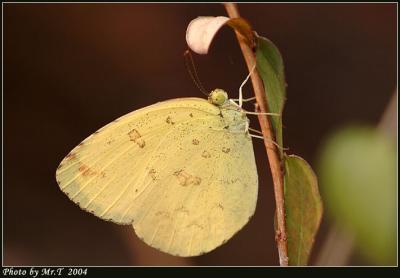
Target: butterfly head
[[218, 97]]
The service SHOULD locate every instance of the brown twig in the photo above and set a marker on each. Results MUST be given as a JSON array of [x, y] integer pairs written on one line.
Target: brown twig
[[273, 154]]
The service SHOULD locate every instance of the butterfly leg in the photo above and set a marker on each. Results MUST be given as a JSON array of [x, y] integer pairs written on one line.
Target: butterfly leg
[[272, 141], [261, 113], [232, 101], [255, 130], [252, 113], [247, 127], [241, 86], [245, 99]]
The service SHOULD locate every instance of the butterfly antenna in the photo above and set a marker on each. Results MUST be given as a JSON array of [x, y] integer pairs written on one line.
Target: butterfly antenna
[[192, 72]]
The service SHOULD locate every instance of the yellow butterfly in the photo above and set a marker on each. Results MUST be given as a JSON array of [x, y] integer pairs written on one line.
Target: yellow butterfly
[[182, 172]]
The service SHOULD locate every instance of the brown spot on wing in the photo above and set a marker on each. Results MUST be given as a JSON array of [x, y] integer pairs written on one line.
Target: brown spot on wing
[[87, 171], [168, 120], [195, 142], [186, 179], [226, 150], [163, 214], [183, 210], [195, 225], [70, 156], [135, 136], [206, 154], [152, 174]]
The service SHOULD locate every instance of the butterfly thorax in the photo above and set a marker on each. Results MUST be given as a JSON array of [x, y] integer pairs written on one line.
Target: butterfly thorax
[[235, 120]]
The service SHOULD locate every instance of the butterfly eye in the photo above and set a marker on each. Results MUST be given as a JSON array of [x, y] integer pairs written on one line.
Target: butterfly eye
[[218, 97]]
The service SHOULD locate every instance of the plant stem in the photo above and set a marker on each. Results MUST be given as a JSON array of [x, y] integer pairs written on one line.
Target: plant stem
[[272, 152]]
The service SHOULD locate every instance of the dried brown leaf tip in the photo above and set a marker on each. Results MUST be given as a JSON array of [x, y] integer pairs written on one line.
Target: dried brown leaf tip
[[244, 28]]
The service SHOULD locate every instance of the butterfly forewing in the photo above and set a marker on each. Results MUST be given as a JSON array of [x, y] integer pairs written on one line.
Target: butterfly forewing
[[173, 169]]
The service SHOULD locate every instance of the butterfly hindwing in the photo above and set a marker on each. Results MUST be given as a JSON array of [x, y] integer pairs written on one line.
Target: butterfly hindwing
[[204, 189]]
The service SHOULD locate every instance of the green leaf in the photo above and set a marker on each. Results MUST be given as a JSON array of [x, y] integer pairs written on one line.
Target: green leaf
[[358, 181], [303, 207], [270, 68]]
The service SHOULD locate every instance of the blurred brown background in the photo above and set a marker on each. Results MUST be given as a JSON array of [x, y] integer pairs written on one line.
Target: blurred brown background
[[69, 69]]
